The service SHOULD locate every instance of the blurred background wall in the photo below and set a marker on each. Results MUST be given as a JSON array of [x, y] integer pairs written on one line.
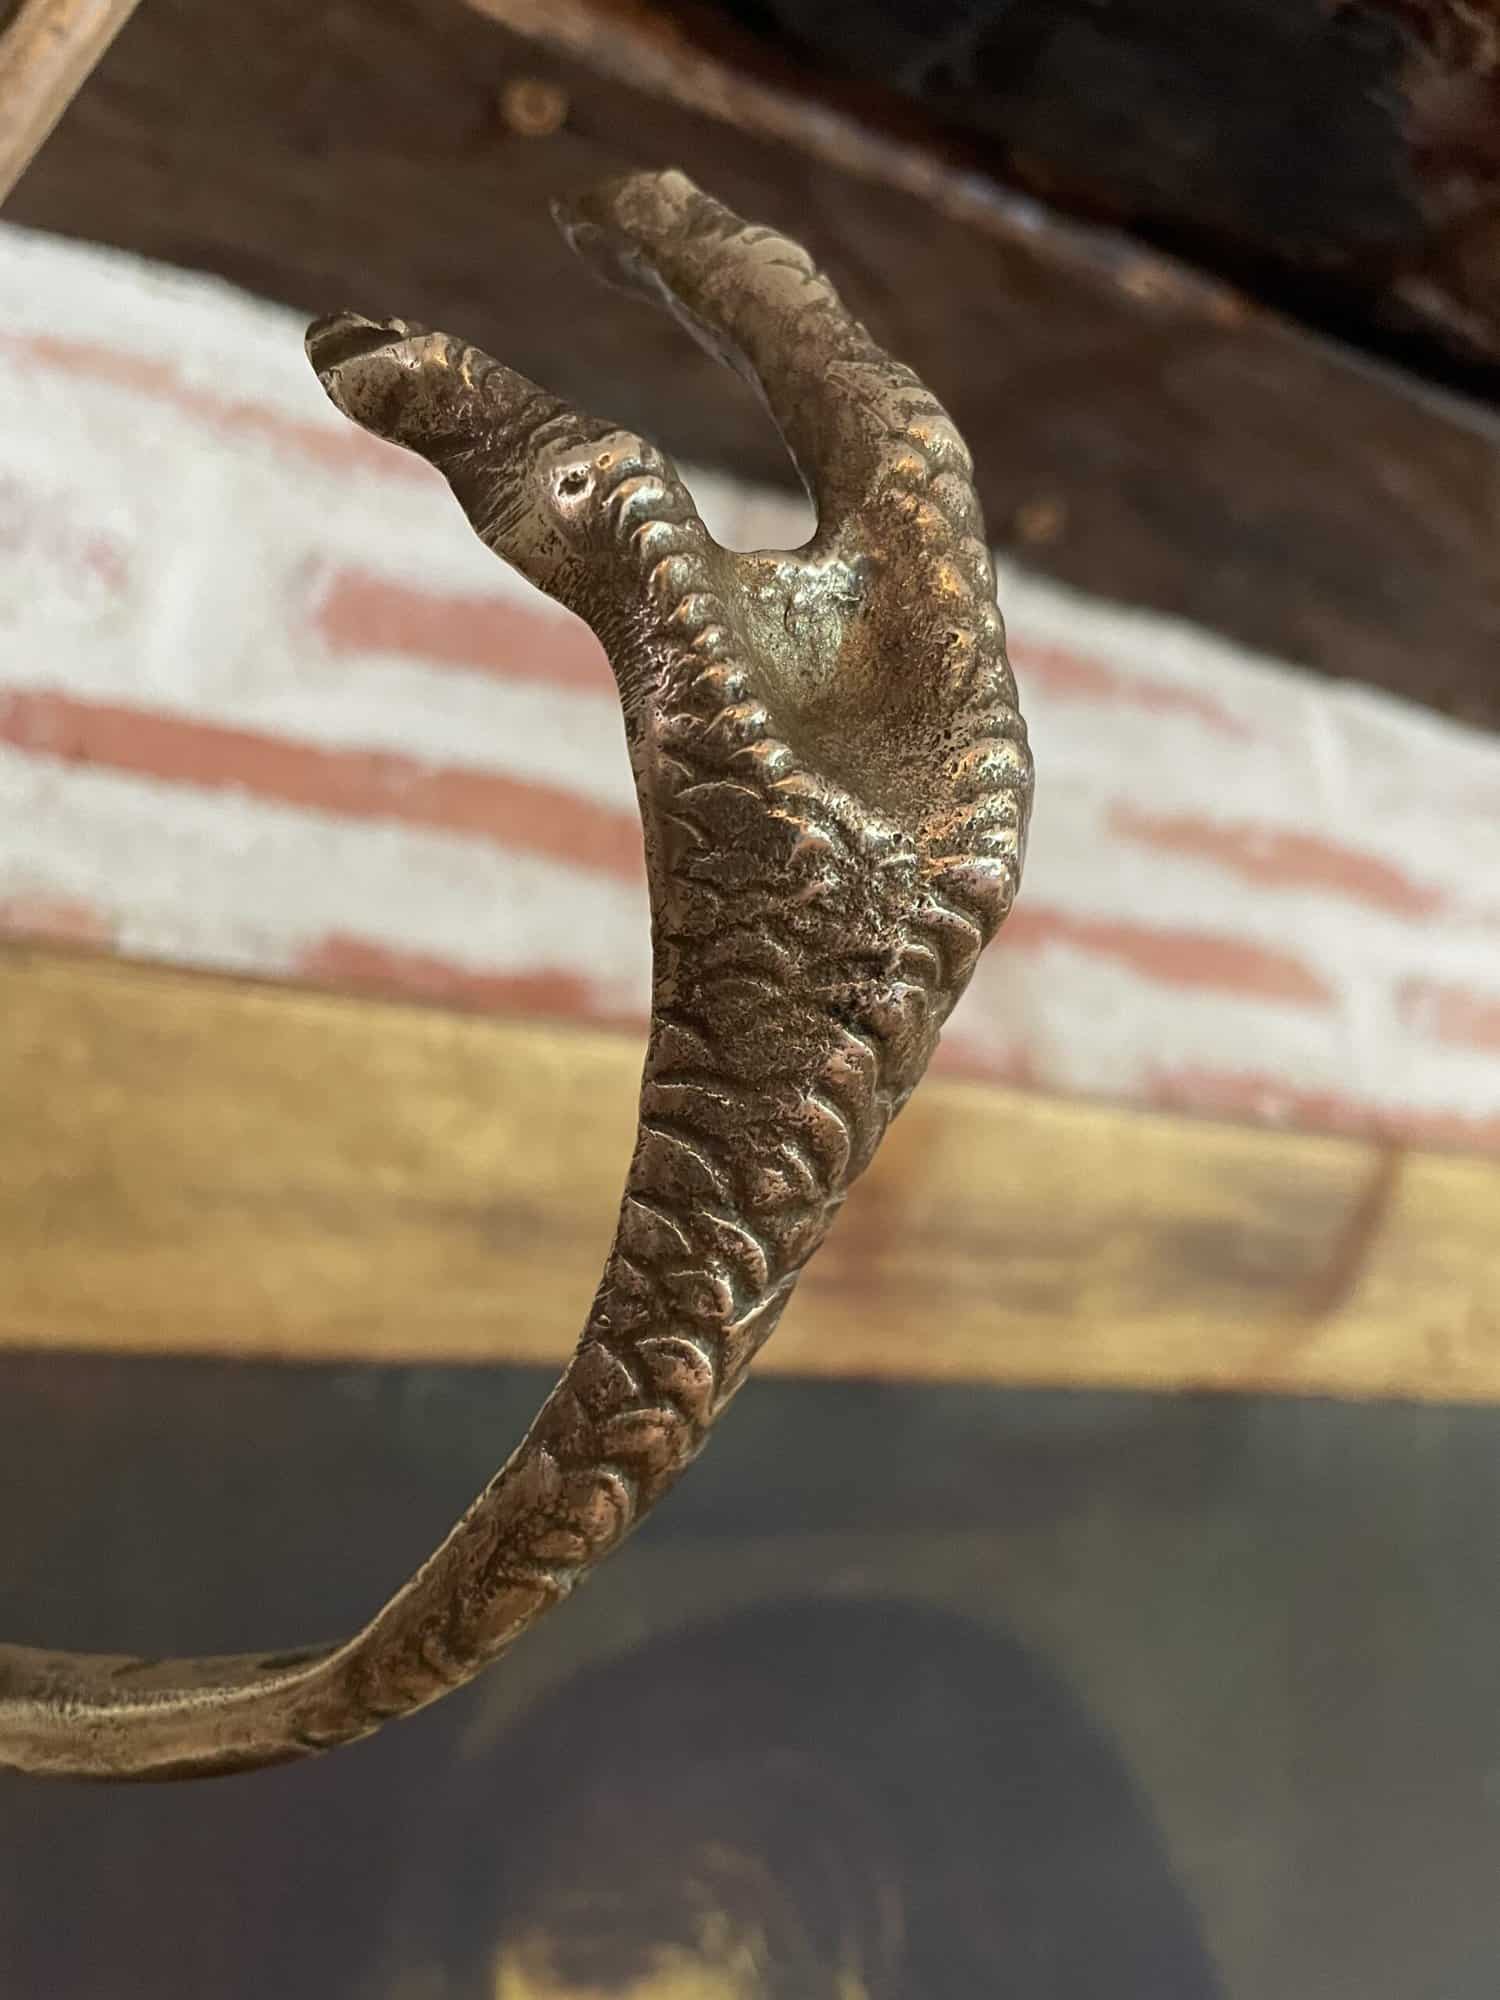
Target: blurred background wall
[[266, 706]]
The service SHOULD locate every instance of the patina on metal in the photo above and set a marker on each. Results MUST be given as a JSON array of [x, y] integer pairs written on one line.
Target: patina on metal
[[834, 785]]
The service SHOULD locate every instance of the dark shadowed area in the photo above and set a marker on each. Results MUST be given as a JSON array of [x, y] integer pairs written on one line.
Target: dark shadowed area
[[934, 1691]]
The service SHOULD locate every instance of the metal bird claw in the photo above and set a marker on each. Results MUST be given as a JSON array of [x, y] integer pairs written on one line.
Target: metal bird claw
[[834, 785]]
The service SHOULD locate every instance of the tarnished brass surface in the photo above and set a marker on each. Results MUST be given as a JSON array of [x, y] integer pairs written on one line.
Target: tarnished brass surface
[[834, 784]]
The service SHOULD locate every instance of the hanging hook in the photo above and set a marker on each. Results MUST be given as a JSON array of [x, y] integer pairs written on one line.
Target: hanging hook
[[834, 785]]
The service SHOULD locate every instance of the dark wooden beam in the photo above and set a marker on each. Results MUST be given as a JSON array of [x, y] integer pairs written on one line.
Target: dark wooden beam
[[1339, 156], [1142, 432], [47, 49]]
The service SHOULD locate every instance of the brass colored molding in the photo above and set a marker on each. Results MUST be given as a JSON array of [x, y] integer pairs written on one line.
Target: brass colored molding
[[198, 1166]]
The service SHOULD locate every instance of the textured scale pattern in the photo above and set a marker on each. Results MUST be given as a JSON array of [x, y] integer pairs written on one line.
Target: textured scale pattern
[[834, 786]]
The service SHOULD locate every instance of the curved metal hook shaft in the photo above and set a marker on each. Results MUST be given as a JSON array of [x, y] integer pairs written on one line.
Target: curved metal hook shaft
[[834, 786]]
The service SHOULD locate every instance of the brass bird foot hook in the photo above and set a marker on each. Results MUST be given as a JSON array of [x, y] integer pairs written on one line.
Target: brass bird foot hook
[[834, 785]]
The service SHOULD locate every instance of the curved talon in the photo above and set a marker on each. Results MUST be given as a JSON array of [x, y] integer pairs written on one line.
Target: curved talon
[[834, 786]]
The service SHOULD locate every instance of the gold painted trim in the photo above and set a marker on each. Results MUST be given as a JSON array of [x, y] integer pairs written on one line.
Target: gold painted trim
[[198, 1166]]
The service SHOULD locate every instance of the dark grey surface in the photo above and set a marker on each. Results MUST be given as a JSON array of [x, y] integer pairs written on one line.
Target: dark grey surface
[[1257, 1640]]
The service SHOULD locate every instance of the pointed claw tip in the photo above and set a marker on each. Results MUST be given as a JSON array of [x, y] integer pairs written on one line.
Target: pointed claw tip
[[613, 224], [341, 337]]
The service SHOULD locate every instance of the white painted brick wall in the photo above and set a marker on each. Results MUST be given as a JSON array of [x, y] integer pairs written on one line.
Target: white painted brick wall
[[266, 705]]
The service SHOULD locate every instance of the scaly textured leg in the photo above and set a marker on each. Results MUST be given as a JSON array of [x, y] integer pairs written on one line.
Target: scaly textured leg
[[834, 785]]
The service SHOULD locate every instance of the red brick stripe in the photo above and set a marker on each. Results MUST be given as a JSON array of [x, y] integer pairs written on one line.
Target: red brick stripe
[[1073, 676], [60, 919], [1265, 1099], [339, 447], [1452, 1014], [1174, 957], [556, 993], [514, 813], [1276, 860], [35, 523], [359, 612]]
